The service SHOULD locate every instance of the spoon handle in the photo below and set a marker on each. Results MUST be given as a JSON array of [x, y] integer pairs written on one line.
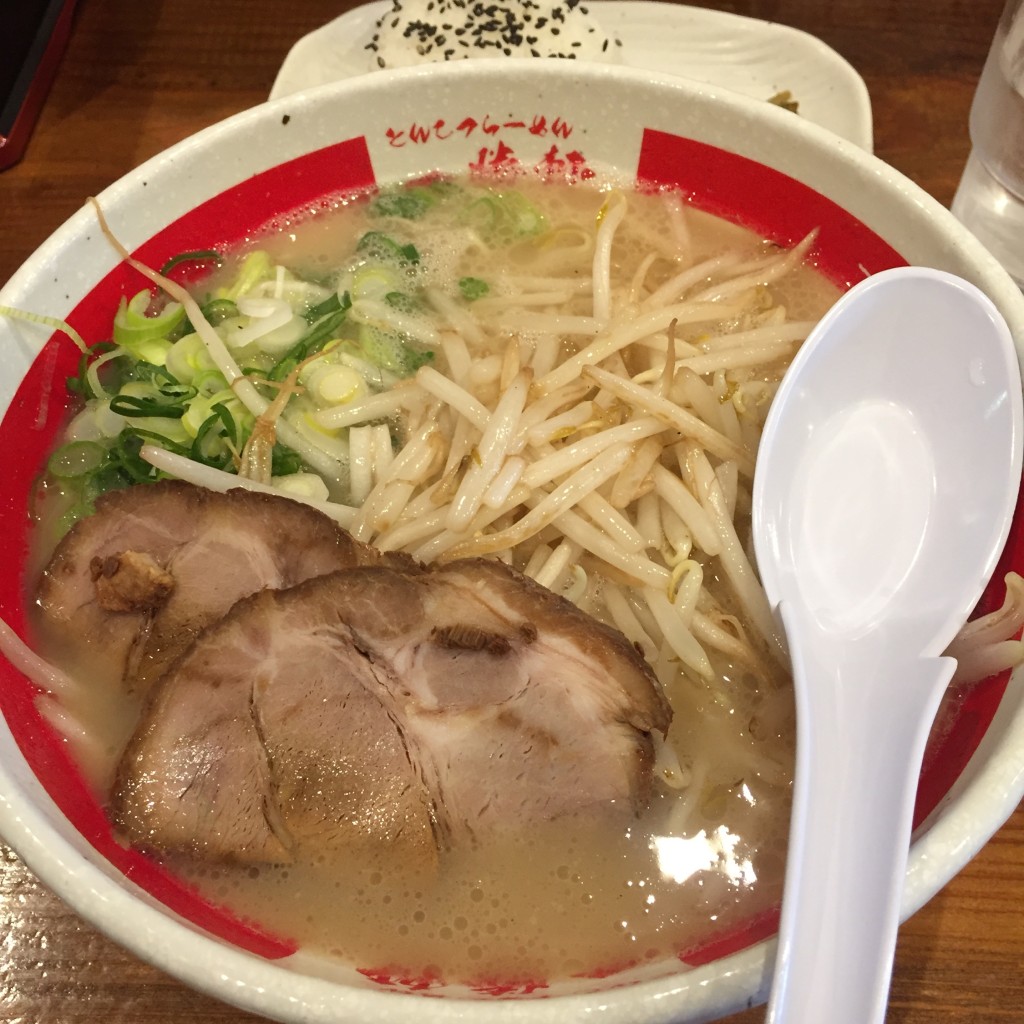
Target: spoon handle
[[860, 743]]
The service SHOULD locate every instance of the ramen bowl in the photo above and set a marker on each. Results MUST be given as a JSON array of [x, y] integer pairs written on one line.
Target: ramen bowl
[[746, 161]]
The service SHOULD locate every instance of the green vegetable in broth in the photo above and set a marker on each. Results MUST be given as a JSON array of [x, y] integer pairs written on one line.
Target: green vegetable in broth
[[172, 380], [473, 288], [196, 256], [145, 335]]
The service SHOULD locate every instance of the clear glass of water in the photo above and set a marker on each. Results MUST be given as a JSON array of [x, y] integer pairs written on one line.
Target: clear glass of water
[[990, 197]]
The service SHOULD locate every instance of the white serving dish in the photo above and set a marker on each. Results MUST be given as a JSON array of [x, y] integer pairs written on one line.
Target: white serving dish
[[750, 56]]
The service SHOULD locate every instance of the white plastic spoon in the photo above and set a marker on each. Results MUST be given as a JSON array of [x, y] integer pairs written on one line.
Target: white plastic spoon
[[886, 481]]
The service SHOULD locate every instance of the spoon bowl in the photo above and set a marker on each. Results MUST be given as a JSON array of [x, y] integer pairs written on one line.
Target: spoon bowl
[[880, 508], [880, 500]]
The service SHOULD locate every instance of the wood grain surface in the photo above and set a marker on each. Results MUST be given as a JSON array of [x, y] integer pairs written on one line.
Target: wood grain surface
[[140, 76]]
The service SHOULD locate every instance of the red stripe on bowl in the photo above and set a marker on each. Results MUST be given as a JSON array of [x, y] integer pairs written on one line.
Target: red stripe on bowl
[[767, 201], [719, 182]]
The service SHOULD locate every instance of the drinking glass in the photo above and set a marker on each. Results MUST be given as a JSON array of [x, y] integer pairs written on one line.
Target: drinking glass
[[990, 197]]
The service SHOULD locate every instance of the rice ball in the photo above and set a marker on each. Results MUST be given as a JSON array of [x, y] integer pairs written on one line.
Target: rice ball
[[422, 31]]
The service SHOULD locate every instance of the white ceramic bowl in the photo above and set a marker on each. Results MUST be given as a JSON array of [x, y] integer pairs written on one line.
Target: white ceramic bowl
[[747, 160]]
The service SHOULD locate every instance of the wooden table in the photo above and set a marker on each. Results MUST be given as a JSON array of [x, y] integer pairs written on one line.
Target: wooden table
[[138, 77]]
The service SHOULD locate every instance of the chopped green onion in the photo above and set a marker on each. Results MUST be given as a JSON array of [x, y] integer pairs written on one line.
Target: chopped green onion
[[218, 310], [79, 384], [125, 458], [323, 331], [322, 309], [76, 459], [402, 302], [387, 350], [198, 256], [219, 422], [504, 217], [256, 267], [47, 321], [166, 405], [377, 245], [411, 202], [473, 288], [408, 204], [209, 382], [189, 361], [134, 328], [284, 461], [163, 440], [373, 280]]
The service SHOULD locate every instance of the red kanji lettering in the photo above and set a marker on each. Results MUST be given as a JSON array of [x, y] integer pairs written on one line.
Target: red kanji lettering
[[571, 166], [578, 166], [551, 163], [503, 158]]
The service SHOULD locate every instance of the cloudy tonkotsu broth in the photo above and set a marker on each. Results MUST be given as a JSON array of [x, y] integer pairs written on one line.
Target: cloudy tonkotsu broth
[[578, 897]]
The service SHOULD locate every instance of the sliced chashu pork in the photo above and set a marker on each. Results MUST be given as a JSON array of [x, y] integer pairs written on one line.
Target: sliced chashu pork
[[270, 732], [133, 584], [375, 705]]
